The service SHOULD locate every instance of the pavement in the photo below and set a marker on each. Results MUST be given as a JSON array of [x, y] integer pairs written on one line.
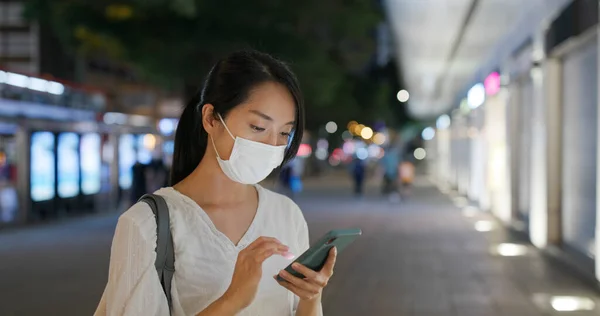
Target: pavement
[[420, 256]]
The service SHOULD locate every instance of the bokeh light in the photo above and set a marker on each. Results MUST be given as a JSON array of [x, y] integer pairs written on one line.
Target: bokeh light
[[428, 133], [331, 127], [362, 153], [476, 96], [443, 122], [346, 135], [304, 150], [403, 96], [321, 153], [379, 138], [149, 141], [322, 143], [374, 150], [420, 153], [366, 133], [349, 148], [351, 125], [358, 129]]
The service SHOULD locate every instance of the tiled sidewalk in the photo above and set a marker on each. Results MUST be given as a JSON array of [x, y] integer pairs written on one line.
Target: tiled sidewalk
[[420, 257], [423, 257]]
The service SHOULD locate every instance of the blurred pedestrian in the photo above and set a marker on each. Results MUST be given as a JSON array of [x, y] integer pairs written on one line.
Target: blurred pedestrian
[[290, 178], [139, 184], [407, 168], [389, 163], [358, 174], [284, 178], [157, 175], [407, 176]]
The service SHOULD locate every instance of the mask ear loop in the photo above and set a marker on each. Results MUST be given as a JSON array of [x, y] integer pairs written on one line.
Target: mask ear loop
[[227, 129], [215, 147], [213, 140]]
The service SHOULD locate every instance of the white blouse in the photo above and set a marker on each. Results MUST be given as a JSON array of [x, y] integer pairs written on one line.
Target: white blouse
[[204, 258]]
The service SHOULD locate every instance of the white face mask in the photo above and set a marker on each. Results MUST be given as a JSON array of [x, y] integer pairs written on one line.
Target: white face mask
[[250, 162]]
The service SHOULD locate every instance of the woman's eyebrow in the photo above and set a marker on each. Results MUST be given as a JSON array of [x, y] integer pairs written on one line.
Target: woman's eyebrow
[[268, 118]]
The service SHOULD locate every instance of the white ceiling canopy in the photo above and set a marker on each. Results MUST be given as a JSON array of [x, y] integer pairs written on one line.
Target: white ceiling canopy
[[440, 44]]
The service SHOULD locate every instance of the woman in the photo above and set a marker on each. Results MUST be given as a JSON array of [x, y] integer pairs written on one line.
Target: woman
[[231, 236]]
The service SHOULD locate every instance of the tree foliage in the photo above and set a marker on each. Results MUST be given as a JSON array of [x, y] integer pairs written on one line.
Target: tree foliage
[[174, 42]]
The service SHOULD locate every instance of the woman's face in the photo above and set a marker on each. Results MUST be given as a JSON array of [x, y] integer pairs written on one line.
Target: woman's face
[[267, 116]]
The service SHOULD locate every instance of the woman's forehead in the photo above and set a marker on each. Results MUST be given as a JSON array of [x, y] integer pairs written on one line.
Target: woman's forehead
[[271, 103]]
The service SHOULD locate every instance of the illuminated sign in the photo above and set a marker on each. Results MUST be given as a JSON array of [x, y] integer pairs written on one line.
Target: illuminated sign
[[127, 158], [42, 175], [68, 165], [476, 96], [91, 163], [492, 84]]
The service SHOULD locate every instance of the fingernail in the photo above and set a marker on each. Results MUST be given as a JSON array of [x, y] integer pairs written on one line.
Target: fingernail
[[288, 255], [295, 265]]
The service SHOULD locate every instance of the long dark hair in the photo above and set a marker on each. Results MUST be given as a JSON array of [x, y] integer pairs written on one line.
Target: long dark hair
[[227, 85]]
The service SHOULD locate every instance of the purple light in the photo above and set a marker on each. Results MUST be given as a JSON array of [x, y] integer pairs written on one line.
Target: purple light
[[492, 83]]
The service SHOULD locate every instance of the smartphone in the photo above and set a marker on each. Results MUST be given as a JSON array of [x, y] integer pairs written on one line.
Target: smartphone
[[315, 257]]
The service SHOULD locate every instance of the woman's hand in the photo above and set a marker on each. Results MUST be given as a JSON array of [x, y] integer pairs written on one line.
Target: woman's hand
[[312, 285], [248, 270]]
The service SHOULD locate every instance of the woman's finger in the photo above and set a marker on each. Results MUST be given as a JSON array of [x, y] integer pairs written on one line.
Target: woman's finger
[[269, 249], [263, 255], [305, 271], [330, 263], [271, 246], [300, 283], [302, 293], [311, 275]]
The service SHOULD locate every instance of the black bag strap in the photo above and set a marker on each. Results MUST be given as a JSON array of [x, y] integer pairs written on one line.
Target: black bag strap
[[165, 255]]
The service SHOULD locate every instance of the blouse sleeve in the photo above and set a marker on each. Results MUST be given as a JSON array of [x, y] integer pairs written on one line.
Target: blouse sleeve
[[133, 286]]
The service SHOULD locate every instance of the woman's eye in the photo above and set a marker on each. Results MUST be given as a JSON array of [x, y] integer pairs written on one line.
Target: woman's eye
[[284, 134], [256, 128]]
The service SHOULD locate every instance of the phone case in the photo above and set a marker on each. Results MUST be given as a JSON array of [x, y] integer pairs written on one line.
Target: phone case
[[316, 256]]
